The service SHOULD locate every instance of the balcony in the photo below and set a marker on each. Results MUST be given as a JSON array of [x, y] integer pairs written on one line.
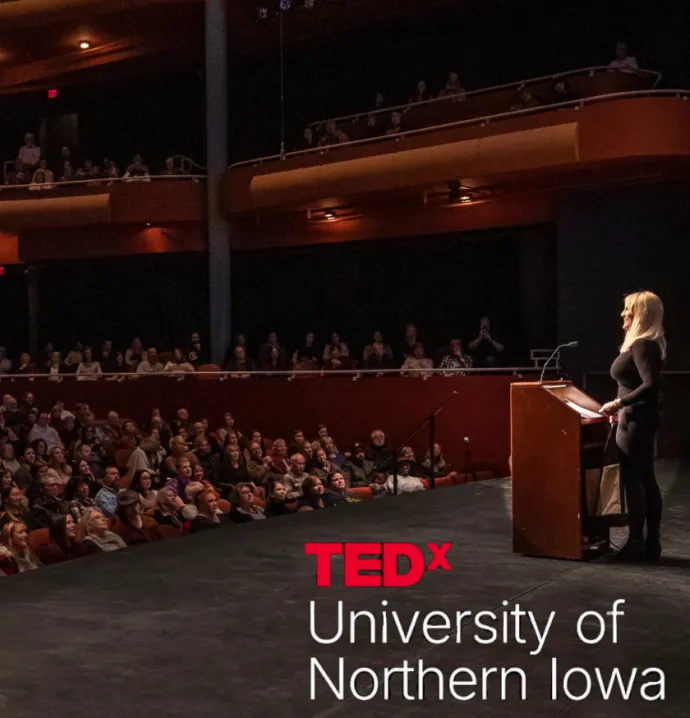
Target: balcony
[[485, 150]]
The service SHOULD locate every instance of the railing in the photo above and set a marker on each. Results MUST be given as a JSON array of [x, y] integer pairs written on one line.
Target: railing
[[87, 183], [468, 94], [480, 119], [288, 374]]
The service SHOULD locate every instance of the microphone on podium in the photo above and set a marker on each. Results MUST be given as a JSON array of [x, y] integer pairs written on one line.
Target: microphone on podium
[[555, 351]]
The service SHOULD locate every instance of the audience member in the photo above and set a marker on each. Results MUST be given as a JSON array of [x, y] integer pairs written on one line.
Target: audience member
[[208, 517], [623, 62], [107, 497], [131, 525], [244, 508], [418, 364], [97, 538], [454, 360], [276, 500], [333, 135], [48, 505], [150, 365], [485, 349], [313, 495], [294, 478], [15, 554]]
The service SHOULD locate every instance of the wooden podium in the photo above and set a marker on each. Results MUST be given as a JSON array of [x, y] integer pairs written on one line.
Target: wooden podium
[[552, 447]]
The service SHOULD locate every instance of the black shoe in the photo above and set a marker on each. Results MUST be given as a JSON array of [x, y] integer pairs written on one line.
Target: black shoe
[[632, 551], [653, 550]]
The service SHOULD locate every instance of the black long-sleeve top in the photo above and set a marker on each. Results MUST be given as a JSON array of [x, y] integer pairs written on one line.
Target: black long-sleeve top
[[638, 374]]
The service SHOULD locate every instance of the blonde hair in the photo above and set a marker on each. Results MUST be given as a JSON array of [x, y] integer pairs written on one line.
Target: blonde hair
[[647, 320]]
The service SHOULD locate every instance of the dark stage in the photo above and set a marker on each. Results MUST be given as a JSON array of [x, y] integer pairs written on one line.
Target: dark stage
[[218, 624]]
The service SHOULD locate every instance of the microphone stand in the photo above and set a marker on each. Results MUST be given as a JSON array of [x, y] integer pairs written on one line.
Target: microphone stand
[[555, 351], [431, 420]]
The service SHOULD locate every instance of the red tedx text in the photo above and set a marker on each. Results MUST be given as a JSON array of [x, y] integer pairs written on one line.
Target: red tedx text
[[379, 557]]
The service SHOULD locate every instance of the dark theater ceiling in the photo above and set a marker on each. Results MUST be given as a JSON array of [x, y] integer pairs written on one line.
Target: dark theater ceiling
[[43, 42]]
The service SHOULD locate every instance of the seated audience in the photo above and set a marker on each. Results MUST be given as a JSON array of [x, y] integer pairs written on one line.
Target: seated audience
[[357, 469], [258, 466], [395, 123], [381, 456], [337, 360], [169, 512], [63, 544], [452, 88], [309, 353], [421, 94], [623, 61], [294, 478], [142, 483], [14, 506], [385, 349], [454, 360], [406, 482], [150, 365], [281, 463], [322, 467], [107, 497], [78, 497], [15, 554], [196, 351], [208, 517], [337, 486], [276, 500], [231, 471], [137, 171], [43, 430], [440, 467], [131, 525], [314, 496], [240, 364], [333, 135], [178, 364], [180, 482], [48, 505], [335, 343], [29, 154], [416, 365], [88, 369], [26, 364], [244, 508], [97, 538], [485, 349]]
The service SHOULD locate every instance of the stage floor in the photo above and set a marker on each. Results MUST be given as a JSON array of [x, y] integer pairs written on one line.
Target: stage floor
[[218, 624]]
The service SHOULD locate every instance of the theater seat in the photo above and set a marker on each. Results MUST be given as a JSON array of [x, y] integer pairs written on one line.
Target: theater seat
[[166, 532], [122, 457], [224, 506], [360, 492], [204, 371], [125, 481], [38, 538], [444, 481], [260, 493]]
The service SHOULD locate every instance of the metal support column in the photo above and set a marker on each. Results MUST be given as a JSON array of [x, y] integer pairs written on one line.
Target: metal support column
[[217, 164]]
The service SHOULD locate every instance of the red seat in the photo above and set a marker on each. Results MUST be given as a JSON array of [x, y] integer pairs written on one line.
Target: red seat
[[38, 538], [224, 506], [360, 492]]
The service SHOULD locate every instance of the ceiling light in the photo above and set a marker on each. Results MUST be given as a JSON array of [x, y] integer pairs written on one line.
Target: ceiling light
[[330, 215], [465, 198], [84, 45]]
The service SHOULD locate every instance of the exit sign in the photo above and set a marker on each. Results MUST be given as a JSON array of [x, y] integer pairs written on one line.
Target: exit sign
[[52, 94]]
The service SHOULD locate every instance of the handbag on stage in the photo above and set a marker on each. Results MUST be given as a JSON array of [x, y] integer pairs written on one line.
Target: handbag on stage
[[605, 492]]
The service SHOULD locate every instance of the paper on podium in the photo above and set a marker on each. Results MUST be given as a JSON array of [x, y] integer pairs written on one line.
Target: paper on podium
[[587, 413]]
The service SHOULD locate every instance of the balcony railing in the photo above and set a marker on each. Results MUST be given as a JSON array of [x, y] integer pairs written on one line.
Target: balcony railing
[[86, 186], [288, 374], [582, 87]]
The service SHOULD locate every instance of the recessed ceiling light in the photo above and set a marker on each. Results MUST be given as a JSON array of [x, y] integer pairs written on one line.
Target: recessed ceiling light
[[330, 215], [84, 45]]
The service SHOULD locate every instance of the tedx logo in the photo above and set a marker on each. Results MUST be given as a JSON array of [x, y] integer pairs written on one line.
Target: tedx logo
[[382, 558]]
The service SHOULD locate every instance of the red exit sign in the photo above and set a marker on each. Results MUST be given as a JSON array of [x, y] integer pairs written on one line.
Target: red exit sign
[[52, 94]]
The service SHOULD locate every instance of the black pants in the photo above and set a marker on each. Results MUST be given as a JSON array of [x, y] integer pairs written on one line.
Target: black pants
[[635, 440]]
